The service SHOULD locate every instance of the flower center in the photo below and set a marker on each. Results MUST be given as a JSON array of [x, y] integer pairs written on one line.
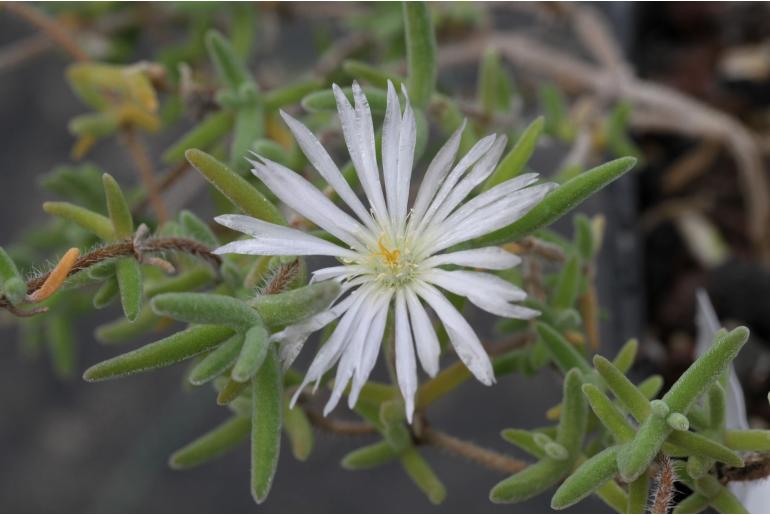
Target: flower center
[[393, 266]]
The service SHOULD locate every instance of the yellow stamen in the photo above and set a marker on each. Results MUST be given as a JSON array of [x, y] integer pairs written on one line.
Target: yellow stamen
[[391, 256], [56, 277]]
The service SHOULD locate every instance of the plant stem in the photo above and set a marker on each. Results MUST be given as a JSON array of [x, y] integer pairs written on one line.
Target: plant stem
[[492, 460], [49, 27], [138, 152]]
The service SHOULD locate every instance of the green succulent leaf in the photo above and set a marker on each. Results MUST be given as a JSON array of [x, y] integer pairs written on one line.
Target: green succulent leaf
[[300, 432], [267, 407], [129, 275], [172, 349], [204, 136], [513, 163], [370, 456], [228, 64], [421, 54], [564, 354], [120, 213], [292, 306], [560, 201], [253, 352], [589, 476], [220, 440], [423, 475], [106, 293], [324, 100], [206, 308], [89, 220], [234, 187], [217, 362], [567, 285]]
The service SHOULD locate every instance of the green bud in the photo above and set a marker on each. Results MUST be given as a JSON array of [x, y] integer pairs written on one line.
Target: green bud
[[659, 408], [678, 422]]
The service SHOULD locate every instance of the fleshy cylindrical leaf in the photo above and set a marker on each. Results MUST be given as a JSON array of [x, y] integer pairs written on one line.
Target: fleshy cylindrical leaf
[[422, 63], [560, 201], [120, 213], [253, 353], [589, 476], [513, 163], [129, 276], [206, 308], [295, 305], [213, 444], [234, 187], [267, 405], [172, 349], [217, 362]]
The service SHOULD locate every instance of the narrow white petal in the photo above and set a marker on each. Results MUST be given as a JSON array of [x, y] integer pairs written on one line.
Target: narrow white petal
[[467, 283], [406, 143], [502, 190], [292, 338], [335, 272], [406, 367], [333, 347], [373, 342], [436, 172], [321, 161], [481, 170], [361, 147], [491, 258], [283, 247], [497, 306], [391, 130], [461, 334], [473, 155], [275, 240], [425, 339], [352, 350], [487, 219], [297, 193]]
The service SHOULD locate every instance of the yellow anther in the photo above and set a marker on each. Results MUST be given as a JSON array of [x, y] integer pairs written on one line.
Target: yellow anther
[[391, 256], [56, 277]]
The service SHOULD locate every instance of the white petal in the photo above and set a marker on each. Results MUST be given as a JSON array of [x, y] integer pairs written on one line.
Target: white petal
[[391, 130], [297, 193], [467, 283], [473, 155], [292, 338], [373, 342], [487, 219], [462, 336], [436, 172], [335, 272], [494, 194], [361, 147], [497, 306], [491, 258], [333, 347], [425, 339], [406, 368], [321, 161], [481, 170], [275, 240], [406, 143], [352, 350]]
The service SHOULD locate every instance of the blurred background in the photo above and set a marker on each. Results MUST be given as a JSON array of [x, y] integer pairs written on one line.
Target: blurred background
[[687, 84]]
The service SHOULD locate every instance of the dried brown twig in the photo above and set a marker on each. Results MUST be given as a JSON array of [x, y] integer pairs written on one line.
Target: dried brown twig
[[48, 26], [115, 250], [657, 108], [489, 459]]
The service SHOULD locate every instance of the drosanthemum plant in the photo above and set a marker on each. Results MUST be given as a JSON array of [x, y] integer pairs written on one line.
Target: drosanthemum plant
[[391, 254]]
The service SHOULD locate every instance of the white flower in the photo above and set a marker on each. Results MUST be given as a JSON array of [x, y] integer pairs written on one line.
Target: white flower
[[390, 255]]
